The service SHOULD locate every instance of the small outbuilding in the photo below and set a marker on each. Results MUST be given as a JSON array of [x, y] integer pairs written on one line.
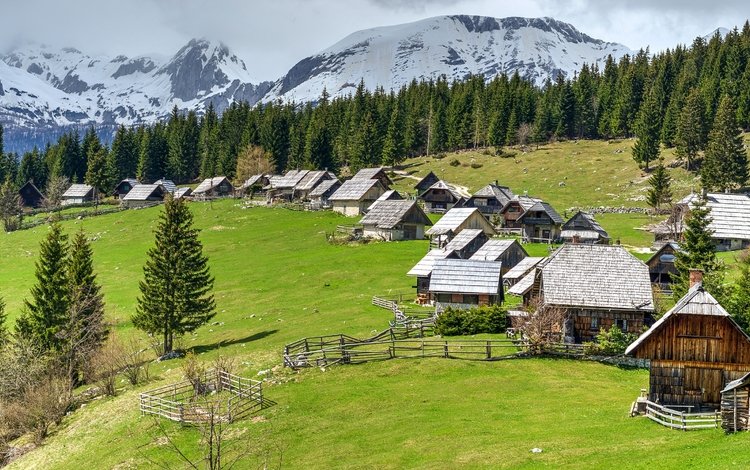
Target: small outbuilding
[[440, 197], [143, 195], [124, 187], [78, 194], [218, 186], [541, 223], [735, 405], [356, 195], [395, 220], [308, 182], [461, 283], [30, 195], [508, 252], [183, 192], [491, 199], [254, 184], [583, 228], [320, 194], [168, 185], [520, 270], [425, 183], [455, 220], [661, 266], [374, 174]]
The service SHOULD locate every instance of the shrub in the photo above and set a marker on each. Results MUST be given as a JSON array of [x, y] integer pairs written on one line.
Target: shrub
[[476, 165], [457, 322], [610, 343], [455, 162], [439, 156]]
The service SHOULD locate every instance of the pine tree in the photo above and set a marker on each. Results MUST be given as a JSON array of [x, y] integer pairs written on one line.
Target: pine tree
[[99, 174], [10, 205], [690, 137], [125, 154], [739, 305], [725, 164], [660, 192], [154, 152], [697, 252], [4, 337], [646, 148], [176, 295], [393, 151], [566, 111], [32, 169], [46, 314]]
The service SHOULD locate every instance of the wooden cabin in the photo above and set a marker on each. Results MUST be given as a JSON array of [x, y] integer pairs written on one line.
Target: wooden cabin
[[395, 220], [169, 185], [124, 187], [461, 283], [281, 188], [78, 194], [183, 192], [514, 209], [455, 220], [356, 195], [695, 350], [730, 219], [320, 194], [218, 186], [30, 195], [491, 199], [390, 195], [597, 286], [308, 182], [583, 228], [425, 183], [661, 266], [735, 405], [541, 223], [508, 252], [440, 197], [143, 195], [254, 184], [376, 174], [521, 269]]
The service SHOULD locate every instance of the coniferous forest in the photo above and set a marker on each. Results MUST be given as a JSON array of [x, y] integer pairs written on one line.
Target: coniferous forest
[[669, 99]]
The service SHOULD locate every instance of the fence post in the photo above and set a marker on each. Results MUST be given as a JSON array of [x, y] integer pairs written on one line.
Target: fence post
[[445, 350], [489, 349], [684, 421]]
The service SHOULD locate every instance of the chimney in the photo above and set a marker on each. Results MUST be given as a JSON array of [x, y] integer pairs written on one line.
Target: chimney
[[696, 277]]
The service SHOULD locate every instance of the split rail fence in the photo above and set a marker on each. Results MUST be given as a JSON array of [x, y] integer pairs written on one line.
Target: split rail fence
[[680, 420]]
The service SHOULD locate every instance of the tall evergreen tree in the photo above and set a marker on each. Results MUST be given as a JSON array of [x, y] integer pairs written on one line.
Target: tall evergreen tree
[[739, 305], [725, 164], [660, 192], [4, 336], [176, 291], [646, 148], [99, 174], [46, 313], [690, 137], [10, 205], [125, 153]]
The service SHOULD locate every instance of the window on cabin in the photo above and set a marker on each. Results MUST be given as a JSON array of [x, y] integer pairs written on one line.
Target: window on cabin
[[471, 299], [594, 323], [622, 324], [444, 298]]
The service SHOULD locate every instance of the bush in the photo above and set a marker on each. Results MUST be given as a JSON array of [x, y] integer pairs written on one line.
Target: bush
[[476, 165], [439, 156], [457, 322], [610, 343], [455, 162]]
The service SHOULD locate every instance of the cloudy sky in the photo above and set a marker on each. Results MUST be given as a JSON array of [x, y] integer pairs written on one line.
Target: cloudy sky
[[272, 35]]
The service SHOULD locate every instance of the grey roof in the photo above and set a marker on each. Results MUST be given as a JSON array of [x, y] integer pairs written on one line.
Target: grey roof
[[596, 276], [388, 214], [444, 186], [425, 265], [741, 382], [696, 302], [493, 249], [353, 190], [367, 173], [584, 225], [524, 201], [673, 245], [289, 180], [453, 219], [168, 185], [323, 187], [730, 214], [253, 180], [428, 180], [463, 239], [541, 206], [501, 193], [208, 184], [466, 276], [182, 192], [141, 192], [524, 266], [521, 287], [78, 190], [310, 180]]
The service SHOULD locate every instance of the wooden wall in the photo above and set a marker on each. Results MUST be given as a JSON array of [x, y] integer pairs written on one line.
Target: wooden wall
[[735, 410], [697, 384], [582, 321]]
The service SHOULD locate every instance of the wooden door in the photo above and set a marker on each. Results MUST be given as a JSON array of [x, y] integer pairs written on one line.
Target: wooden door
[[707, 382]]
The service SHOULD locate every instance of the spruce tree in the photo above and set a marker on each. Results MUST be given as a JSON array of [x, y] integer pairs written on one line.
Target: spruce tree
[[660, 192], [739, 305], [99, 174], [725, 164], [10, 205], [176, 291], [690, 137], [4, 337], [45, 314], [697, 252], [646, 148]]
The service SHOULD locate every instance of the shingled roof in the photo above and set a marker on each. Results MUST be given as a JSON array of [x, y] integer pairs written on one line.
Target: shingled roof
[[311, 179], [78, 191], [453, 219], [208, 184], [289, 180], [168, 185], [425, 265], [596, 276], [522, 268], [466, 276], [730, 214], [463, 239], [521, 287], [388, 214], [428, 180], [354, 189], [501, 193], [142, 192], [493, 249], [583, 225], [324, 186], [445, 187], [541, 206]]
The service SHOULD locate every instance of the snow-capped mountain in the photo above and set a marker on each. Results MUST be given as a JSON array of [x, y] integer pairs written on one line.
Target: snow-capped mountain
[[44, 88], [454, 46]]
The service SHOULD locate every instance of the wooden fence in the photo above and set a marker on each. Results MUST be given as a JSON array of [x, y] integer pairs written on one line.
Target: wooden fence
[[185, 403], [402, 317], [681, 420]]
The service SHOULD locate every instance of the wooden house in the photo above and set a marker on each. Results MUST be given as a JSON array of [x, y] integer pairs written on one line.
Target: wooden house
[[583, 228], [308, 182], [395, 220], [282, 187], [167, 184], [143, 195], [462, 283], [30, 195], [730, 219], [254, 184], [390, 195], [376, 174], [523, 288], [541, 223], [356, 195], [455, 220], [514, 209], [695, 350], [491, 199], [440, 197], [661, 266], [218, 186], [597, 286], [508, 252], [124, 187], [320, 194], [521, 269], [462, 246], [735, 405], [183, 192], [425, 183], [78, 194]]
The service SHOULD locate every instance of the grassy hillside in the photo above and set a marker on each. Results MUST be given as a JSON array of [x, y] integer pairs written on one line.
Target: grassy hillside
[[277, 279]]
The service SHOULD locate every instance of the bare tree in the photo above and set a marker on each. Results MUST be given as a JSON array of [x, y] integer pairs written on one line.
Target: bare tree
[[10, 206], [252, 160], [524, 133], [56, 187], [544, 327], [676, 220]]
